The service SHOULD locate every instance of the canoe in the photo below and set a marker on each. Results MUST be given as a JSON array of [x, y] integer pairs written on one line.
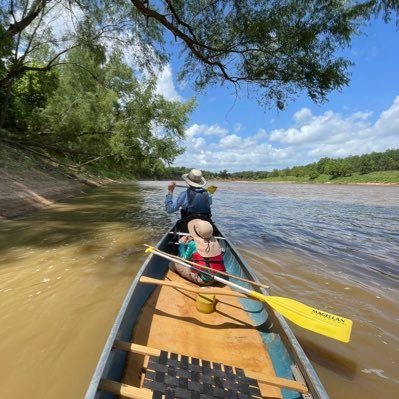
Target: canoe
[[170, 340]]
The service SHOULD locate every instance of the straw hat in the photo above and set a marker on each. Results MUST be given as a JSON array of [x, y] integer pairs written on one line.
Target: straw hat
[[194, 178], [202, 233]]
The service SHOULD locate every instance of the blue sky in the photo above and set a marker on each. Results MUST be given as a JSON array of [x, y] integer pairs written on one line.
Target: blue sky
[[235, 133]]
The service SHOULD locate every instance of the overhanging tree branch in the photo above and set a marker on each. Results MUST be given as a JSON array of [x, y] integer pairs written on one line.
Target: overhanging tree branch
[[190, 42], [36, 8]]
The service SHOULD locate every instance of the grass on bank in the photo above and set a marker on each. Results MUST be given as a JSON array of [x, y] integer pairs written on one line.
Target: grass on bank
[[383, 177]]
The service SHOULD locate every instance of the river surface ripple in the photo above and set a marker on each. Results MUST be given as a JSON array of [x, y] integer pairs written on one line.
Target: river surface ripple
[[64, 273]]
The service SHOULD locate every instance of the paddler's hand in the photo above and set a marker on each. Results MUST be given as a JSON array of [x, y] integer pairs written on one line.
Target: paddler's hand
[[171, 187], [185, 239]]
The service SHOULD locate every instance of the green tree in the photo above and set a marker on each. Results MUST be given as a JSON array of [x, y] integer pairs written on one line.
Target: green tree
[[313, 173], [298, 171], [223, 174], [36, 35], [29, 95], [366, 165], [322, 165], [338, 168], [114, 120], [345, 168], [331, 168], [273, 173], [393, 159]]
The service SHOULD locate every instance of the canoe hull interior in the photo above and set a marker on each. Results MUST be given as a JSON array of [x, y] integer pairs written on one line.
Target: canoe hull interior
[[283, 349]]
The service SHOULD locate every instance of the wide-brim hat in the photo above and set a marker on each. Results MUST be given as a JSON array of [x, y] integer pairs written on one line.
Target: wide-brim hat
[[202, 233], [194, 178]]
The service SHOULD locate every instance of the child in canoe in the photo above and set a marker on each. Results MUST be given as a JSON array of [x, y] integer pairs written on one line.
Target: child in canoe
[[202, 248]]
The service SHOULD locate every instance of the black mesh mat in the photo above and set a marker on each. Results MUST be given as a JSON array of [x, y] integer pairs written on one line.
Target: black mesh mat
[[172, 376]]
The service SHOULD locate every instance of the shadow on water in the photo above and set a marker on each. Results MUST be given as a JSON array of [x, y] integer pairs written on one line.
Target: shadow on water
[[329, 359], [75, 220]]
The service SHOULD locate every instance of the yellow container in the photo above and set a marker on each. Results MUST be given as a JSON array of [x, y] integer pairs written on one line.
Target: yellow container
[[205, 303]]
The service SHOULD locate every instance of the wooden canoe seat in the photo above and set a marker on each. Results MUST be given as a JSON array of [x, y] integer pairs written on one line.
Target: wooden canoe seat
[[171, 373], [177, 376]]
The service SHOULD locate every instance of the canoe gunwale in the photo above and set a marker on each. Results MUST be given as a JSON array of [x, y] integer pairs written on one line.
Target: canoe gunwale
[[105, 357], [295, 350]]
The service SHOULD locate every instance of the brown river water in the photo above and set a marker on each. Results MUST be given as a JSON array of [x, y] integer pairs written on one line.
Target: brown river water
[[64, 273]]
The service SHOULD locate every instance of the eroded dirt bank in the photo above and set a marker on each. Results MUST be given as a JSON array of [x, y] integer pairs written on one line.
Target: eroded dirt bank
[[25, 191]]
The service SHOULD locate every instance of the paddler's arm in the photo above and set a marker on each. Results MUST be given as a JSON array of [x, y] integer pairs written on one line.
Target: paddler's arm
[[170, 205]]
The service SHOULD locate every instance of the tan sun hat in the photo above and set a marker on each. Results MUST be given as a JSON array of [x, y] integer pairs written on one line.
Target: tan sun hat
[[194, 178], [202, 233]]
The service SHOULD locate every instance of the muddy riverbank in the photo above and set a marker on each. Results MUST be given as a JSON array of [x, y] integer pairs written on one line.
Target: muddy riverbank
[[25, 191]]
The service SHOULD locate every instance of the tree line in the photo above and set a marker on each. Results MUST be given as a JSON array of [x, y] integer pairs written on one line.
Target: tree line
[[334, 167], [78, 77]]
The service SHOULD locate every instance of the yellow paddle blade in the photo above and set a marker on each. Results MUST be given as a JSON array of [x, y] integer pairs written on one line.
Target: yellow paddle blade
[[211, 189], [315, 320]]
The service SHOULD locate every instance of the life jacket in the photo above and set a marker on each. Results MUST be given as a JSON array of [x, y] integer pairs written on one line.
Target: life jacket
[[198, 202], [215, 262]]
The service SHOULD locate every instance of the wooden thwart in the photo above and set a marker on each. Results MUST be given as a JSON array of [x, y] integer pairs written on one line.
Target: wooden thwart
[[127, 391], [132, 392], [134, 348], [278, 382], [208, 290]]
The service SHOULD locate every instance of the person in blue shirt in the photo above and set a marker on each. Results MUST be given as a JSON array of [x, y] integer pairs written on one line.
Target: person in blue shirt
[[194, 201]]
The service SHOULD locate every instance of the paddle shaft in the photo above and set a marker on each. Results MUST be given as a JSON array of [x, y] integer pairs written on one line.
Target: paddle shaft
[[210, 189], [188, 234], [219, 272], [183, 263]]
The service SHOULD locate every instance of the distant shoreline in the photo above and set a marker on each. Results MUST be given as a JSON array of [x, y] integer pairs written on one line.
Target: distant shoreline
[[307, 182]]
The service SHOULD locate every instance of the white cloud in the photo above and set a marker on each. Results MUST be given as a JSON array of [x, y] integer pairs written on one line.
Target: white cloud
[[262, 134], [303, 115], [206, 130], [388, 123], [197, 144], [315, 128], [231, 141], [165, 84], [313, 137]]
